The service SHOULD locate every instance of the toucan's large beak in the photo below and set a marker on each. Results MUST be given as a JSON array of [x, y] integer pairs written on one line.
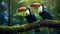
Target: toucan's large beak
[[21, 9], [35, 4]]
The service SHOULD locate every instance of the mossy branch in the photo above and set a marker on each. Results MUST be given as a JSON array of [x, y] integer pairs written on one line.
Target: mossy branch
[[27, 27]]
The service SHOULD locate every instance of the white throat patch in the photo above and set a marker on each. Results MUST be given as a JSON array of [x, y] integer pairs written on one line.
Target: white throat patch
[[40, 9], [27, 12]]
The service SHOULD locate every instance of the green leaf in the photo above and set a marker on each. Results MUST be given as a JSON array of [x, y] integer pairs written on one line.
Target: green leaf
[[19, 14]]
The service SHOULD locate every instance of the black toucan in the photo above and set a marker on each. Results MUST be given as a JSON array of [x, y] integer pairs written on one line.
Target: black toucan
[[30, 17], [43, 12]]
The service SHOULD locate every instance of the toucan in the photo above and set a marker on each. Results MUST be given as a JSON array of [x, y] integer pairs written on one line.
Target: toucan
[[30, 17], [42, 11]]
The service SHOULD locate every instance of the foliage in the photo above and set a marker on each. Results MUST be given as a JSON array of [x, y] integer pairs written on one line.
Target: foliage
[[17, 18], [24, 3]]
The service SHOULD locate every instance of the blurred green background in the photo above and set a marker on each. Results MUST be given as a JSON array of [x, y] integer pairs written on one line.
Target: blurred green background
[[9, 16], [19, 17]]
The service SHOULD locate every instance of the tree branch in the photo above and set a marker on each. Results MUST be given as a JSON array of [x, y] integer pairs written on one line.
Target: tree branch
[[27, 27]]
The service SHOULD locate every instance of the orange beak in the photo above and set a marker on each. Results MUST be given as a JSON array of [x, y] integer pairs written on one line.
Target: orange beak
[[21, 9], [35, 4]]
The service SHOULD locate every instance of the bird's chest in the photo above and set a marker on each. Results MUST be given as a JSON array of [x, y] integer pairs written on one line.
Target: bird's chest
[[44, 14]]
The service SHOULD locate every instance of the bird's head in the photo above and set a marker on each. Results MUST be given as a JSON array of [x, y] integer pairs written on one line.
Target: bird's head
[[36, 4], [21, 9], [25, 9]]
